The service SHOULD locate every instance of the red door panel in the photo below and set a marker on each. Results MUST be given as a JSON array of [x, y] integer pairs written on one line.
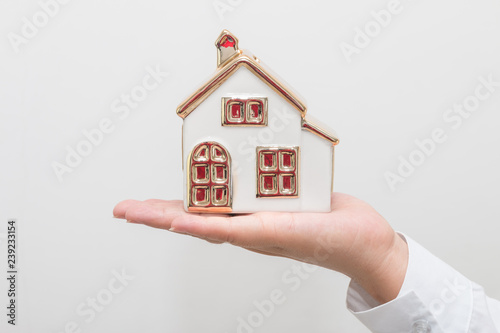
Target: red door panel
[[209, 178]]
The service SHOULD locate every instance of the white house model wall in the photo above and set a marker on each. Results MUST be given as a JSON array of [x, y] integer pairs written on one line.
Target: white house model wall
[[311, 154]]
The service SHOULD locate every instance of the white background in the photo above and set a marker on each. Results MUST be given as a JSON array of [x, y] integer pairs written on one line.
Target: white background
[[65, 78]]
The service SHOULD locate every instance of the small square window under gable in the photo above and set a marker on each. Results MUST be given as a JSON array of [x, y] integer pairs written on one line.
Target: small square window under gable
[[251, 111]]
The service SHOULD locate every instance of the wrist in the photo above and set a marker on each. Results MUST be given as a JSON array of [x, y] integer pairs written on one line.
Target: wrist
[[384, 279]]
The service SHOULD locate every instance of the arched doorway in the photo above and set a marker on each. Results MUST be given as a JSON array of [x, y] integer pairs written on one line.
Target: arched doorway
[[209, 179]]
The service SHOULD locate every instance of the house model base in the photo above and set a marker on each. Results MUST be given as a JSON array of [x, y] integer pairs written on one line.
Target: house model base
[[247, 145]]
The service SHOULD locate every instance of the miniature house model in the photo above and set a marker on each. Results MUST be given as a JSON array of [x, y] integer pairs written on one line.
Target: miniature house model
[[247, 144]]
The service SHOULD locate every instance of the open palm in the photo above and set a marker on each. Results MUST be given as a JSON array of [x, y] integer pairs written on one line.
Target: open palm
[[352, 239]]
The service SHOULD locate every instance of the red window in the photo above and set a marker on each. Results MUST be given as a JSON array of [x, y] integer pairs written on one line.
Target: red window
[[209, 179], [277, 171], [244, 111]]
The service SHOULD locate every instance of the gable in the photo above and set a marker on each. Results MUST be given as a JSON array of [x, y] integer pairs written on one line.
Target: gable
[[229, 60], [256, 68]]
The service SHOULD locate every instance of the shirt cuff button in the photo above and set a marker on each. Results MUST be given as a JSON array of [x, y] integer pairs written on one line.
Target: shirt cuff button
[[421, 326]]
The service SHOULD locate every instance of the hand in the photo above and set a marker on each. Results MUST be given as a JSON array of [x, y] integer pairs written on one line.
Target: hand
[[352, 239]]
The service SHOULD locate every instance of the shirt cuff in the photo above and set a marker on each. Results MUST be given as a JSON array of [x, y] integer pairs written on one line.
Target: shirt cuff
[[434, 298]]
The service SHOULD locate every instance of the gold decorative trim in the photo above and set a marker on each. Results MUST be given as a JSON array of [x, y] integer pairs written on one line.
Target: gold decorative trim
[[274, 165], [333, 165], [202, 153], [293, 183], [262, 112], [322, 133], [265, 192], [278, 171], [213, 210], [182, 145], [228, 69], [194, 173], [227, 118], [282, 165], [246, 120], [218, 154], [225, 173], [222, 202], [227, 47], [210, 183]]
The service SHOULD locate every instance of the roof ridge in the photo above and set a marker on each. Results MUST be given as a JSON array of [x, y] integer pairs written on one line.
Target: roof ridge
[[227, 70]]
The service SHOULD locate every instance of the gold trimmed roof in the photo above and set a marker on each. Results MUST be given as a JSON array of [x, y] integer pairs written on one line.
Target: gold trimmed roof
[[229, 60], [320, 130]]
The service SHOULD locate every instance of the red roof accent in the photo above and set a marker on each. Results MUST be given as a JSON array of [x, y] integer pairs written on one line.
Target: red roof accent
[[228, 42]]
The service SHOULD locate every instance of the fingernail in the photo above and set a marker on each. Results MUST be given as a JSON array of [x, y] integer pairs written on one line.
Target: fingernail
[[172, 229]]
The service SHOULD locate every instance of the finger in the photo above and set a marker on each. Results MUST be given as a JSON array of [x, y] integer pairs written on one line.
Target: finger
[[121, 208], [220, 228], [161, 201], [260, 230], [254, 230], [211, 241], [341, 201], [159, 215], [205, 239], [266, 253]]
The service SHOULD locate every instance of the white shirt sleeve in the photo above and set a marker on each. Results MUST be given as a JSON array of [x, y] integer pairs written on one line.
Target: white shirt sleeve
[[434, 298]]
